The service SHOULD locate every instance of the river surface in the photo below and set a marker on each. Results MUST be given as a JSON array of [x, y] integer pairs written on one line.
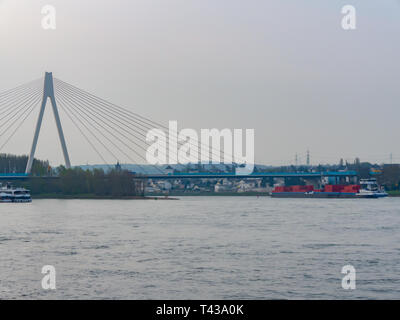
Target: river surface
[[201, 248]]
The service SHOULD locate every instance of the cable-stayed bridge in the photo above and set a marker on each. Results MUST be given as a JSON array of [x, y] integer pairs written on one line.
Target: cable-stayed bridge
[[115, 134]]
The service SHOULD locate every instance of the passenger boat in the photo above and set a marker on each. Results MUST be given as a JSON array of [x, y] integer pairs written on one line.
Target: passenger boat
[[10, 194], [5, 197], [368, 188]]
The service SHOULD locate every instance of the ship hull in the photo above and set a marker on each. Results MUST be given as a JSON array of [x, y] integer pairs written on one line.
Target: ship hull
[[24, 200], [326, 195]]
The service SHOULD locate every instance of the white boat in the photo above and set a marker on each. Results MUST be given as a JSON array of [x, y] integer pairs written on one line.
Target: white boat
[[10, 194], [5, 197], [371, 189]]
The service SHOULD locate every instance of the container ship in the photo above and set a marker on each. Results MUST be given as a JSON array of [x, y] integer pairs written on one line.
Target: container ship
[[368, 188]]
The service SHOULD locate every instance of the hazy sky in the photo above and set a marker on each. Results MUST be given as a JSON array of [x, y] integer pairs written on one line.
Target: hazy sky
[[285, 68]]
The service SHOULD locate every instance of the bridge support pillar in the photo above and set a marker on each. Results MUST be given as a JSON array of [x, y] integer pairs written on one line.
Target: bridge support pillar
[[48, 92]]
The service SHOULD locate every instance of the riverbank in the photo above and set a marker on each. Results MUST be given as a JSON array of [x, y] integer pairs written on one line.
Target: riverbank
[[213, 194], [234, 194], [97, 197], [161, 196]]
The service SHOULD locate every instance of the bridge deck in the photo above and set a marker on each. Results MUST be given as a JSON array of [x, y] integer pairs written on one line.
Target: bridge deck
[[253, 175]]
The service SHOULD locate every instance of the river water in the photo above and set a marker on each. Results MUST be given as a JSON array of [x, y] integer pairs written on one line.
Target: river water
[[201, 248]]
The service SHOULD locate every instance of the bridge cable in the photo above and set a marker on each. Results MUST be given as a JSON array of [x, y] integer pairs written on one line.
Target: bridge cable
[[103, 121], [136, 116], [77, 109], [20, 87], [67, 108], [146, 124], [92, 104], [96, 115], [93, 109], [21, 105], [34, 104], [12, 100], [99, 103], [14, 97], [124, 119], [23, 108], [121, 120], [67, 112], [73, 107]]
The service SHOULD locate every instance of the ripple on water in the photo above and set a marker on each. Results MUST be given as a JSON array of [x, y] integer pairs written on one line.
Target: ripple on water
[[202, 248]]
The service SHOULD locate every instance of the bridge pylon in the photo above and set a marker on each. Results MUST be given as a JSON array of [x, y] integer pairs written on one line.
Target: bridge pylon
[[48, 92]]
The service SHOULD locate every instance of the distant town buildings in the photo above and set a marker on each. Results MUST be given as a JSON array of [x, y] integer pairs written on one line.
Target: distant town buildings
[[214, 185]]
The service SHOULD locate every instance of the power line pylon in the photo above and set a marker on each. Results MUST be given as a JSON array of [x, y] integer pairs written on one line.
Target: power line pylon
[[48, 92]]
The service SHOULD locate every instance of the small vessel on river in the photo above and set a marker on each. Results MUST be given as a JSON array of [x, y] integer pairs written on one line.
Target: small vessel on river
[[10, 194], [368, 188]]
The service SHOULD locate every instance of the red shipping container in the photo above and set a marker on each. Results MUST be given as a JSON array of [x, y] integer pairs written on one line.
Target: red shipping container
[[338, 187]]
